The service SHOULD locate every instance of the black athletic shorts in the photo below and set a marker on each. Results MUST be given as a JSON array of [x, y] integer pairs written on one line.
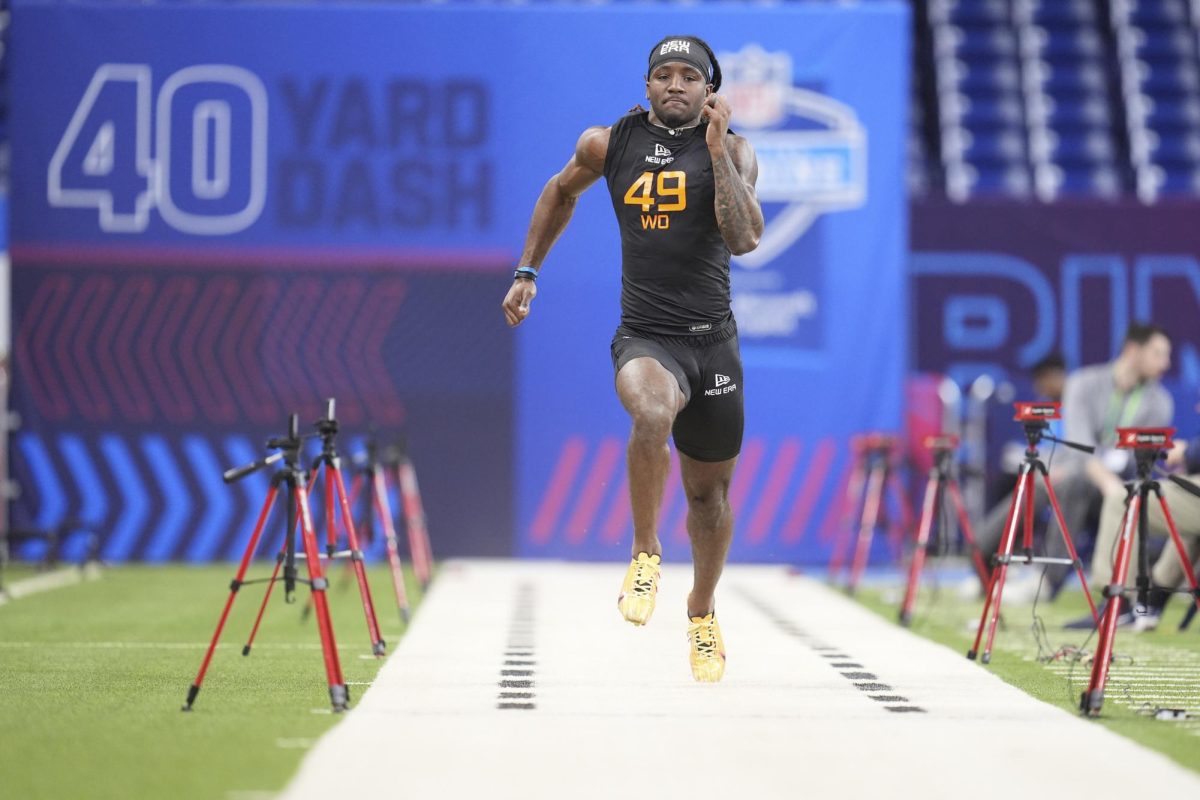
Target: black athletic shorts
[[709, 370]]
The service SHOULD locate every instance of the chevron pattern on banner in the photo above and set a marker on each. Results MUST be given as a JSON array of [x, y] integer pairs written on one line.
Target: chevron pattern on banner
[[787, 497], [151, 497], [186, 349]]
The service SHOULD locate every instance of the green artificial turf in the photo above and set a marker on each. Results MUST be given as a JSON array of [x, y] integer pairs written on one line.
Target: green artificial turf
[[1151, 670], [92, 678]]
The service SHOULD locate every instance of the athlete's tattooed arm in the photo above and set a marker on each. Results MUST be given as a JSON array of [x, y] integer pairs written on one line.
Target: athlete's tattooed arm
[[735, 171]]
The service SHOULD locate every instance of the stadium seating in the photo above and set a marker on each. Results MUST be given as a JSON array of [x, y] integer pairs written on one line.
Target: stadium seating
[[1058, 98]]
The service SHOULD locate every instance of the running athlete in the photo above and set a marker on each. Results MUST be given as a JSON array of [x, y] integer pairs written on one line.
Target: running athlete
[[682, 186]]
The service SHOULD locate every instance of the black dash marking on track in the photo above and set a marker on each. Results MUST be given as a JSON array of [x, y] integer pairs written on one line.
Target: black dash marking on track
[[872, 687], [863, 681], [519, 652]]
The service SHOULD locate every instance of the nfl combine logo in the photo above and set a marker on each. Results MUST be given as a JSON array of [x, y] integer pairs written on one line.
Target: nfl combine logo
[[812, 150]]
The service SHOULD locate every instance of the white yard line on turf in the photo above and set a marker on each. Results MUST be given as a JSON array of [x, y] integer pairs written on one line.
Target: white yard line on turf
[[47, 581], [520, 680]]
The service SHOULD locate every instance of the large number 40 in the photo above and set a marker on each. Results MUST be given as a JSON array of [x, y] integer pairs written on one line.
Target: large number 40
[[207, 173]]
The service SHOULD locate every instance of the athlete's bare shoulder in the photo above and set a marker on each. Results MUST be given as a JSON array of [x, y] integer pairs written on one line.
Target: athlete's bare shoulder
[[592, 147]]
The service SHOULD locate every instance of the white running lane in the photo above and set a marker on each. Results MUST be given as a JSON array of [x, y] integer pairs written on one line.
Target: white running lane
[[821, 699]]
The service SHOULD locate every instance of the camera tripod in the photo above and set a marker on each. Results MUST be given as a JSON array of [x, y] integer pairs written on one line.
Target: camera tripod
[[1034, 419], [328, 464], [1150, 446], [874, 474], [290, 480], [941, 483], [374, 478], [413, 513]]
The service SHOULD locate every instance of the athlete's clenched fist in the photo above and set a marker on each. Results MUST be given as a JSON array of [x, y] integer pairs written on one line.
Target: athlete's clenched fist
[[516, 302]]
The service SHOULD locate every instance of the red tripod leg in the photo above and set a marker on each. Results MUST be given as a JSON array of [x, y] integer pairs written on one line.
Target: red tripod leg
[[870, 519], [262, 608], [964, 524], [906, 511], [338, 695], [1093, 698], [1027, 538], [356, 559], [251, 546], [1181, 549], [383, 510], [414, 521], [928, 507], [1062, 526], [995, 587], [851, 507]]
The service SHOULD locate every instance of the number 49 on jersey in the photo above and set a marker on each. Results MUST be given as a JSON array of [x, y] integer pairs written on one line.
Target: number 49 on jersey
[[649, 193]]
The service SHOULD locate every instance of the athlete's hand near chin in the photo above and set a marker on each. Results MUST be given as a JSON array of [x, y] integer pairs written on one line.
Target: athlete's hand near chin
[[717, 112], [516, 302]]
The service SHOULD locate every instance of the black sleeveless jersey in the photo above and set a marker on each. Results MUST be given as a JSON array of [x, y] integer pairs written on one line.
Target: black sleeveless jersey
[[674, 261]]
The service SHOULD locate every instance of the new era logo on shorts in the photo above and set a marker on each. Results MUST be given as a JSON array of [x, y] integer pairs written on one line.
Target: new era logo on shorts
[[723, 385]]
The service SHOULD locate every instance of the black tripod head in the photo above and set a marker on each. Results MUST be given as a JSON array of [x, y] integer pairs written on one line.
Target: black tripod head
[[1035, 420], [1150, 446], [943, 447], [327, 429], [287, 449]]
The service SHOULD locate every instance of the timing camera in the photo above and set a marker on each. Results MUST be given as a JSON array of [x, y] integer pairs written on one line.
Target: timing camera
[[1037, 412], [1145, 438]]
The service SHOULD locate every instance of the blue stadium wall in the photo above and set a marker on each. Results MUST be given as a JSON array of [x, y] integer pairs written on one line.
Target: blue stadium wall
[[223, 213]]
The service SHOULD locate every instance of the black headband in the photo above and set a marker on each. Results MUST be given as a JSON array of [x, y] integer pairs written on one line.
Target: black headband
[[685, 49]]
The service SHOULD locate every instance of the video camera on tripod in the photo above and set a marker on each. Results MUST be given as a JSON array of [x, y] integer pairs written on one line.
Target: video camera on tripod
[[1035, 418], [1149, 446]]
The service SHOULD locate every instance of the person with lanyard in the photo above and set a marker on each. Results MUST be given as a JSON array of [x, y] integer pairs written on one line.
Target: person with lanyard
[[1098, 399], [1167, 574], [682, 186]]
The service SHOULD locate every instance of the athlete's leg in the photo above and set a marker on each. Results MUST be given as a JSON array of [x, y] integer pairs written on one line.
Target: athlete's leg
[[709, 524], [651, 395]]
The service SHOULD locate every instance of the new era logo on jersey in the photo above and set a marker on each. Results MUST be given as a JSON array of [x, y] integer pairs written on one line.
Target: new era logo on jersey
[[723, 386], [661, 155]]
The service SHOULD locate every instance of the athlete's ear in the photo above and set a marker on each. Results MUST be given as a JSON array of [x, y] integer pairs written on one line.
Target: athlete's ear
[[708, 90]]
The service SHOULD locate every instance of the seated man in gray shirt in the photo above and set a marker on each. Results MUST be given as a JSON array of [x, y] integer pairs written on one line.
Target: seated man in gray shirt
[[1097, 400]]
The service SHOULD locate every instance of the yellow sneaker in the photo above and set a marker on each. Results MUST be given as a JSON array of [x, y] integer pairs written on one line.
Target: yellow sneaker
[[636, 600], [707, 649]]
